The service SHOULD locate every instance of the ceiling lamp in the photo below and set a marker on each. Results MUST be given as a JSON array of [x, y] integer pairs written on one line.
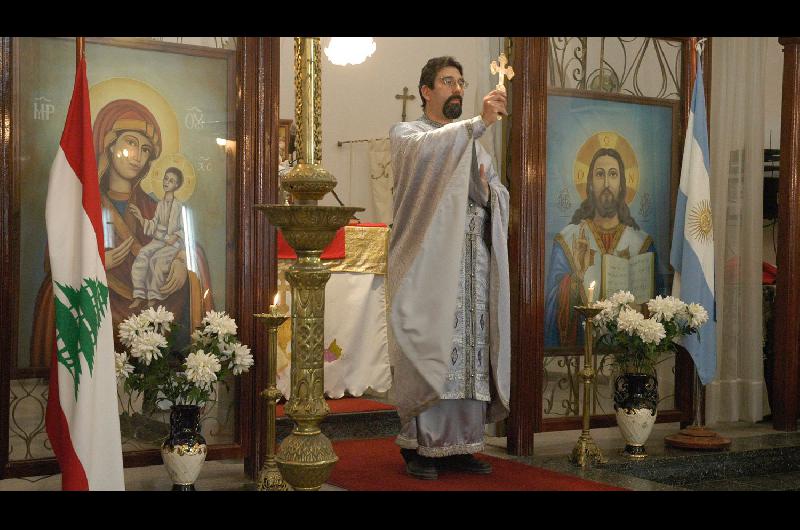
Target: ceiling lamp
[[349, 50]]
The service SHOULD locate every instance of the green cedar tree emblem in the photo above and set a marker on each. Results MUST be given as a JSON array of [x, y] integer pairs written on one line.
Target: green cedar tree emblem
[[77, 325]]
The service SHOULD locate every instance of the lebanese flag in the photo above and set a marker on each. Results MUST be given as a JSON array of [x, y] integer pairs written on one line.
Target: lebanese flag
[[82, 419]]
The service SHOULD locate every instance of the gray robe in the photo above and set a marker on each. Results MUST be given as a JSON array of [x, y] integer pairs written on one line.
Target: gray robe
[[433, 168]]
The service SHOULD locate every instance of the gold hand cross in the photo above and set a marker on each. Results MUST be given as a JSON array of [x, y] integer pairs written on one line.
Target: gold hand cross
[[501, 71]]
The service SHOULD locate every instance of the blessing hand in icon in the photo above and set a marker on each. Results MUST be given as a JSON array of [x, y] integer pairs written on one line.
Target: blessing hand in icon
[[177, 274], [581, 251], [116, 255]]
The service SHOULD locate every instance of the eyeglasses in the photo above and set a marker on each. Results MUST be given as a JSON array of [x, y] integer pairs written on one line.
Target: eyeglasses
[[450, 82]]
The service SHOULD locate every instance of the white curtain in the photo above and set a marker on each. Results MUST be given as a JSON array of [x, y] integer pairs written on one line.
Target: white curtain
[[381, 180], [356, 348], [737, 144]]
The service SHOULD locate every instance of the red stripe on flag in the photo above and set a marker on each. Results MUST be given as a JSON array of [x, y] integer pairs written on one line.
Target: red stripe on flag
[[76, 142], [73, 476]]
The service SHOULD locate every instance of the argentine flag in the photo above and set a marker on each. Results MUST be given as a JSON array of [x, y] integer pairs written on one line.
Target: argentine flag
[[692, 254]]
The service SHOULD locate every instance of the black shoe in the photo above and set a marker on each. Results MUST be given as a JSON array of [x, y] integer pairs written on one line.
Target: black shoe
[[408, 454], [467, 464], [422, 467]]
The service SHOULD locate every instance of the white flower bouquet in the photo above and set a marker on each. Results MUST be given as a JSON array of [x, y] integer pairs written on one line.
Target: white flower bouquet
[[151, 366], [638, 338]]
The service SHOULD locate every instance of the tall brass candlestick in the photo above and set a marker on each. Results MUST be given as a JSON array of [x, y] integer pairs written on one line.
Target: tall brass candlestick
[[306, 457], [270, 479], [308, 182], [586, 451]]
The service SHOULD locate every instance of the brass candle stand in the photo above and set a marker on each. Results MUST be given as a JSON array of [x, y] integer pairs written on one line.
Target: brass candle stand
[[586, 451], [305, 457], [270, 479]]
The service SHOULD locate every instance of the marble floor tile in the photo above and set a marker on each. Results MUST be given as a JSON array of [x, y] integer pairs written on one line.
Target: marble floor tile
[[741, 468], [776, 482], [723, 485]]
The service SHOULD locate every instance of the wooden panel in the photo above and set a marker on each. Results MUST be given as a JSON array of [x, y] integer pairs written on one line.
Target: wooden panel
[[684, 387], [250, 251], [258, 166], [600, 421], [787, 296], [8, 301], [526, 240]]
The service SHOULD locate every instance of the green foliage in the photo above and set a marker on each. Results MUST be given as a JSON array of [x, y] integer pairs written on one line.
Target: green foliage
[[632, 356]]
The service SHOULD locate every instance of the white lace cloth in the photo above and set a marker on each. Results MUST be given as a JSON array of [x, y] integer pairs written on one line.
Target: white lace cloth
[[355, 318]]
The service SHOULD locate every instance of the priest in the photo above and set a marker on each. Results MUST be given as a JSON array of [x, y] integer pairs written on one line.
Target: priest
[[448, 286]]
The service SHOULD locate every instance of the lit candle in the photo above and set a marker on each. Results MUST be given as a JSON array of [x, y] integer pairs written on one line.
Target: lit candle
[[591, 292], [274, 307]]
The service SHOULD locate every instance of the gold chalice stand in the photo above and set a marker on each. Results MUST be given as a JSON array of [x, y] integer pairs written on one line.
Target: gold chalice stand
[[305, 457], [270, 479], [586, 451]]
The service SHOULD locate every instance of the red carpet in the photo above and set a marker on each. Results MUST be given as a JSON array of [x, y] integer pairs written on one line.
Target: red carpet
[[345, 405], [376, 465]]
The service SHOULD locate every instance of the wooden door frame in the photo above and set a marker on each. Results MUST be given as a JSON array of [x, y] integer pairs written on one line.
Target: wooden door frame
[[787, 296], [252, 251], [8, 240], [526, 238], [527, 242], [257, 164]]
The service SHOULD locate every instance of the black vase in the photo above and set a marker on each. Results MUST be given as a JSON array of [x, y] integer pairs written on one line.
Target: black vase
[[636, 403], [184, 450]]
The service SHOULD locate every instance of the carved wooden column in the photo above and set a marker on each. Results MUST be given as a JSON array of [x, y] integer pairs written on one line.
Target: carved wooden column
[[526, 240], [7, 217], [257, 168], [787, 295]]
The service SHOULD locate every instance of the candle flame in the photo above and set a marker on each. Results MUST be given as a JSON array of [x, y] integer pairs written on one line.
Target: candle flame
[[277, 298], [591, 285]]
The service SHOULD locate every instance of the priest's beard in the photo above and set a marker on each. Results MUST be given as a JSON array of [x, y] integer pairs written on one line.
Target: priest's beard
[[606, 205], [452, 108]]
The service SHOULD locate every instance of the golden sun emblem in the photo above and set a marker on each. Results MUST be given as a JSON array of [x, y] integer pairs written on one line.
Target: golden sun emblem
[[700, 226]]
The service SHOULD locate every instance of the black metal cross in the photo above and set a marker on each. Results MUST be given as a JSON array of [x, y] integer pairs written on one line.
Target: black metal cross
[[405, 96]]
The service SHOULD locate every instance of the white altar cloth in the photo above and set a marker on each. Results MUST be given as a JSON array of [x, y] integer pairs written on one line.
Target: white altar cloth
[[356, 347]]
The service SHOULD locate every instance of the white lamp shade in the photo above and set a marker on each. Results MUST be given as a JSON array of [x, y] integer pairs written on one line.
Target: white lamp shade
[[349, 50]]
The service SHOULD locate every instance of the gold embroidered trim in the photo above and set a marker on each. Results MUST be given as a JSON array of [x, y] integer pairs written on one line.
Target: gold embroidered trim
[[568, 253], [598, 231], [366, 251]]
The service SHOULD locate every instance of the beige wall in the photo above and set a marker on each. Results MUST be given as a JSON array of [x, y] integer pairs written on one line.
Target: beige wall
[[358, 101]]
